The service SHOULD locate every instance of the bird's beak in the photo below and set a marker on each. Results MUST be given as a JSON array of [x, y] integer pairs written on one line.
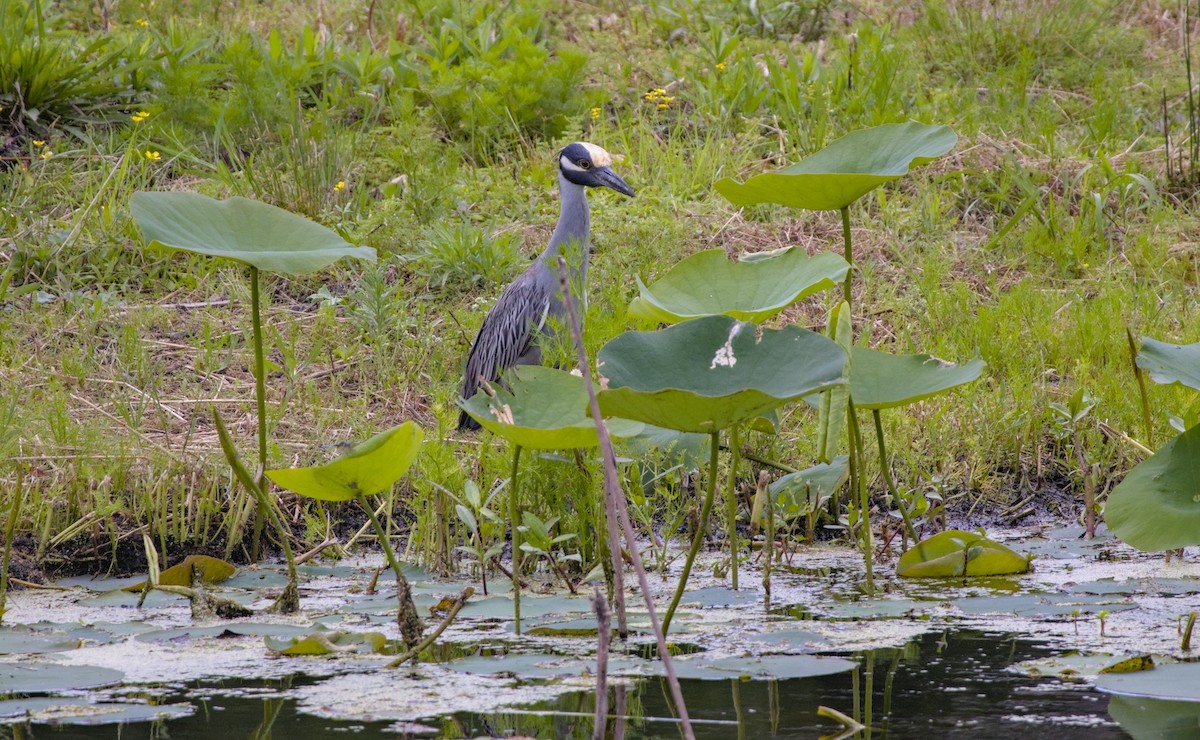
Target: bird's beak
[[610, 179]]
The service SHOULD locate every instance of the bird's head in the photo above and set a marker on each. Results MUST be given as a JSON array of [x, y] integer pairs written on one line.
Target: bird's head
[[589, 165]]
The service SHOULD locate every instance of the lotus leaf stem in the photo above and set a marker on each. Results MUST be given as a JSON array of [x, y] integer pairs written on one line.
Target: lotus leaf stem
[[406, 617], [901, 504], [864, 505], [848, 253], [260, 398], [698, 536], [731, 502], [603, 637]]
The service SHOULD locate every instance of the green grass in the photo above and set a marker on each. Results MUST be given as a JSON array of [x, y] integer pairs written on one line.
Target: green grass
[[1033, 245]]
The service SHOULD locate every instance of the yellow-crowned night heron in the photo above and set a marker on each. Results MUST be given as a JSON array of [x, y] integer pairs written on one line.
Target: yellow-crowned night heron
[[510, 332]]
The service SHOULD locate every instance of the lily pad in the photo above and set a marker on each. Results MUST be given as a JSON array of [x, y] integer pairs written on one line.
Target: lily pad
[[879, 380], [70, 711], [847, 169], [1052, 606], [780, 667], [543, 409], [1176, 682], [1156, 719], [1157, 505], [368, 468], [228, 629], [332, 642], [708, 374], [1074, 667], [955, 553], [708, 284], [800, 493], [1171, 363], [719, 597], [24, 642], [18, 678], [240, 229]]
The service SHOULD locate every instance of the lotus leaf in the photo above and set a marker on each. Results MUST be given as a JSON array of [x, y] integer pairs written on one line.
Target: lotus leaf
[[1157, 719], [248, 231], [708, 284], [212, 570], [955, 553], [800, 493], [710, 373], [1157, 505], [1171, 363], [542, 409], [369, 468], [780, 667], [66, 711], [880, 380], [1178, 681], [847, 169], [328, 643], [16, 678]]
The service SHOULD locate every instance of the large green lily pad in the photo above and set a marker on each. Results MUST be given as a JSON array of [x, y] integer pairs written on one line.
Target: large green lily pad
[[16, 678], [710, 373], [781, 667], [543, 409], [1171, 363], [210, 569], [1178, 681], [369, 468], [800, 493], [847, 169], [1157, 505], [708, 284], [1156, 719], [240, 229], [879, 380], [955, 553]]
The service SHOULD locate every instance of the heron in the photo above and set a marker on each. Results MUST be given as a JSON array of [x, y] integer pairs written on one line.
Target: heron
[[511, 332]]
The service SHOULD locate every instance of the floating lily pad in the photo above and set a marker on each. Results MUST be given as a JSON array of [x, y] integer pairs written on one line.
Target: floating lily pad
[[780, 667], [955, 553], [542, 409], [1157, 505], [1073, 667], [872, 609], [1156, 719], [43, 678], [800, 493], [707, 374], [847, 169], [532, 607], [1171, 363], [719, 596], [330, 642], [368, 468], [791, 638], [1176, 682], [240, 229], [228, 629], [708, 284], [69, 711], [1042, 605], [23, 642]]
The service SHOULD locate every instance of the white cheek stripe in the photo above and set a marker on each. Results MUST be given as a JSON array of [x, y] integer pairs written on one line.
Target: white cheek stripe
[[567, 164]]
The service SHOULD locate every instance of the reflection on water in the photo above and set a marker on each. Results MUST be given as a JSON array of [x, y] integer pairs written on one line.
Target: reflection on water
[[940, 685]]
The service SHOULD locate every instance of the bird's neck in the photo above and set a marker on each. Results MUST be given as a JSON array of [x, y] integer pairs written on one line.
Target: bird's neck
[[570, 237]]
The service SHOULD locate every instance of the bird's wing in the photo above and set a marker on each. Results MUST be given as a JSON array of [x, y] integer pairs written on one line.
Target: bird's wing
[[507, 332]]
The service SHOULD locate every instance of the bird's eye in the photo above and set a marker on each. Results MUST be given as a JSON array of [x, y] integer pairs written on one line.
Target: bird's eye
[[585, 164]]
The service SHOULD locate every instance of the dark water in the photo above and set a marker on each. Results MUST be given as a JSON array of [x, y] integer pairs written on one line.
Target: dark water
[[940, 685]]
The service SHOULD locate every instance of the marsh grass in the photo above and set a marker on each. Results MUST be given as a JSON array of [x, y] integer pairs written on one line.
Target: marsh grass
[[1033, 245]]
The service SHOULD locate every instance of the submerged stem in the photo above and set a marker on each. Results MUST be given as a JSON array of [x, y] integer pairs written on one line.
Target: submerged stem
[[731, 503], [407, 618], [513, 489], [698, 537], [864, 501]]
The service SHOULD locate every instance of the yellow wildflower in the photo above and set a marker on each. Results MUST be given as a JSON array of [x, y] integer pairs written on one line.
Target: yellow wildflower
[[152, 155], [720, 66], [340, 186], [595, 113], [663, 106], [139, 116], [46, 153], [142, 22], [39, 143]]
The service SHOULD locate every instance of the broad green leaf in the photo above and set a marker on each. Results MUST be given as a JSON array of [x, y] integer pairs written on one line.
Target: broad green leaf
[[212, 570], [240, 229], [879, 380], [956, 553], [708, 284], [847, 169], [1171, 363], [804, 491], [369, 468], [1180, 681], [1157, 505], [41, 678], [543, 409], [710, 373]]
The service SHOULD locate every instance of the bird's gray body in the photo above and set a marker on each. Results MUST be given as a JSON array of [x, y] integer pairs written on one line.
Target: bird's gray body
[[532, 304]]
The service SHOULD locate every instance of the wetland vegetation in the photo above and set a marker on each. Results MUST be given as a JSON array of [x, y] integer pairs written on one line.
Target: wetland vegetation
[[830, 197]]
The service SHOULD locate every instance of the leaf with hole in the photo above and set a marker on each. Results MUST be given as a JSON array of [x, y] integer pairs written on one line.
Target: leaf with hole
[[710, 373]]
